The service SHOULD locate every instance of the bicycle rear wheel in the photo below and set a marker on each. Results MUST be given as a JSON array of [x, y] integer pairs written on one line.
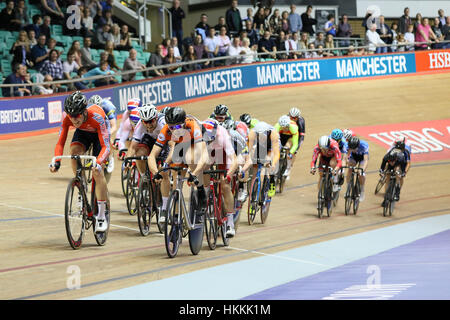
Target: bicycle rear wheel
[[223, 226], [356, 195], [144, 206], [329, 196], [266, 200], [321, 198], [348, 198], [211, 226], [124, 178], [253, 202], [132, 190], [75, 213], [281, 178], [172, 230], [380, 184]]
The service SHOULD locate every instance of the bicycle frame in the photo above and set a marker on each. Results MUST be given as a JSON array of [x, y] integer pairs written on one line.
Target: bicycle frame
[[218, 199]]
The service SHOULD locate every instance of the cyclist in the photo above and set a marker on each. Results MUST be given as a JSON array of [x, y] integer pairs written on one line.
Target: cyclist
[[221, 152], [248, 120], [221, 113], [91, 128], [338, 136], [185, 134], [393, 160], [330, 155], [295, 116], [127, 126], [289, 137], [109, 108], [358, 155], [264, 144], [348, 134]]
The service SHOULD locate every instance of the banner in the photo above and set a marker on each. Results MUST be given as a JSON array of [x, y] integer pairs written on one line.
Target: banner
[[432, 60], [429, 140]]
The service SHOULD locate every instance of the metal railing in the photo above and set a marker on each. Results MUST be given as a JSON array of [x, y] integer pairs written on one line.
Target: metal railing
[[211, 60]]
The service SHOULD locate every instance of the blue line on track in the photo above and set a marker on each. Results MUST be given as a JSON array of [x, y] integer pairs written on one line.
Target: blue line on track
[[28, 218]]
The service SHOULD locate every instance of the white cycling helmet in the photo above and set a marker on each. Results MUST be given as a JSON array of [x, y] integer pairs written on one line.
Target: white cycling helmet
[[348, 134], [95, 99], [324, 142], [294, 112], [148, 112], [284, 121]]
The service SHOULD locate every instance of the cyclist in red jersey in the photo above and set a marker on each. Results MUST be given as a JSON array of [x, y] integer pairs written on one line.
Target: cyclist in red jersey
[[329, 153], [91, 128]]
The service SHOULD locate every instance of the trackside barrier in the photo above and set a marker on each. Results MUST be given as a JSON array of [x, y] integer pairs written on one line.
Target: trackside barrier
[[43, 112]]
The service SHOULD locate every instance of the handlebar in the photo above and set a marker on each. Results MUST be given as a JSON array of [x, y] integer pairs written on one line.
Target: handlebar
[[353, 168], [77, 157], [128, 159]]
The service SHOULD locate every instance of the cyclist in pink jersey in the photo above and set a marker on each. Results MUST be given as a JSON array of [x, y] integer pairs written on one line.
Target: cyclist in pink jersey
[[329, 153]]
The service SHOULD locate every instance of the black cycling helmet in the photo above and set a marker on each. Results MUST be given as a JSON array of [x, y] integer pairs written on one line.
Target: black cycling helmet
[[246, 118], [392, 156], [164, 110], [175, 115], [75, 104], [228, 124], [353, 143], [221, 110], [400, 143]]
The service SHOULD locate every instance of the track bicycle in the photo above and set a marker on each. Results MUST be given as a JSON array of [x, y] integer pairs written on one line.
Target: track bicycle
[[324, 196], [258, 195], [132, 185], [281, 178], [353, 190], [389, 196]]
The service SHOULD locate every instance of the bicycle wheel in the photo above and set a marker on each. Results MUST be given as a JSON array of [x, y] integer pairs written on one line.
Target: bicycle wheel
[[387, 199], [329, 196], [75, 213], [321, 197], [100, 237], [211, 227], [124, 178], [144, 206], [157, 205], [196, 234], [356, 195], [380, 184], [253, 202], [281, 178], [132, 190], [266, 200], [237, 211], [392, 197], [348, 197], [172, 230]]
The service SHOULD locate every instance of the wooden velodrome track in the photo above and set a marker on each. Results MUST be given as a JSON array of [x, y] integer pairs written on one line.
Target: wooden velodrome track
[[34, 252]]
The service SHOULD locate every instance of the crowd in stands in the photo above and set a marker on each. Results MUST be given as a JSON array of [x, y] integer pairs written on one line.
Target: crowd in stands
[[264, 34]]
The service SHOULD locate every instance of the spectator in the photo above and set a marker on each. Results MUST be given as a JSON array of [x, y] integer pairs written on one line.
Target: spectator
[[394, 31], [321, 53], [221, 23], [45, 88], [131, 63], [199, 47], [351, 51], [39, 52], [252, 34], [295, 21], [249, 17], [165, 47], [103, 57], [177, 22], [385, 32], [107, 5], [87, 23], [17, 77], [446, 32], [374, 41], [156, 59], [330, 26], [170, 59], [308, 21], [285, 22], [437, 29], [103, 70], [53, 66], [203, 25], [115, 32], [401, 42], [7, 15], [259, 21], [109, 47], [233, 18], [267, 12], [311, 53], [344, 30], [212, 45], [176, 51], [329, 44], [275, 22], [86, 54], [52, 9], [75, 50], [303, 42], [368, 20], [44, 28], [21, 50], [320, 40], [37, 20], [281, 45], [410, 38], [441, 16], [190, 56], [103, 35], [52, 45], [234, 50], [425, 34], [292, 46], [27, 79], [69, 66], [250, 54], [404, 22], [95, 8], [224, 42], [125, 38], [106, 18], [267, 45], [418, 21], [31, 38], [21, 18]]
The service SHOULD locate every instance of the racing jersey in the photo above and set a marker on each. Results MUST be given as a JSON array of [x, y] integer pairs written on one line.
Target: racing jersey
[[242, 129], [253, 123], [301, 128], [190, 133], [221, 147], [343, 145], [362, 149], [400, 158], [332, 151], [95, 123], [239, 142], [406, 152], [109, 109], [125, 129], [292, 130], [141, 129]]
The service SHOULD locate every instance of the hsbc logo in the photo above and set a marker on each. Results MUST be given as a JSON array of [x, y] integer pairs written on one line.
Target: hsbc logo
[[439, 60]]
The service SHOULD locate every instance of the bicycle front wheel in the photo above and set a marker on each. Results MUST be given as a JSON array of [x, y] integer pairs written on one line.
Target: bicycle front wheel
[[321, 198], [211, 227], [266, 200], [144, 207], [132, 190], [75, 213], [172, 230], [356, 195], [124, 178], [329, 197], [196, 234], [380, 185], [253, 202]]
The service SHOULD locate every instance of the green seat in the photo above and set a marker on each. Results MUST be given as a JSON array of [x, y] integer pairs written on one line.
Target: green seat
[[124, 54], [6, 67], [146, 55], [77, 38], [56, 30]]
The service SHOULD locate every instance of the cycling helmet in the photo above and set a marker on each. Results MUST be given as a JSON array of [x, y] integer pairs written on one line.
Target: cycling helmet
[[133, 104], [324, 142], [284, 121], [246, 118], [337, 134], [294, 112], [400, 143], [209, 129], [148, 112], [75, 103], [228, 124], [238, 141], [95, 99], [134, 116], [392, 156], [348, 134], [353, 143], [221, 110], [164, 110], [175, 115]]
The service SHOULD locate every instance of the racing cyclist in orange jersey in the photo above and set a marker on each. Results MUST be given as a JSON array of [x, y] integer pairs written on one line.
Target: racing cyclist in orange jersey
[[330, 155], [289, 136], [91, 128], [189, 149]]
